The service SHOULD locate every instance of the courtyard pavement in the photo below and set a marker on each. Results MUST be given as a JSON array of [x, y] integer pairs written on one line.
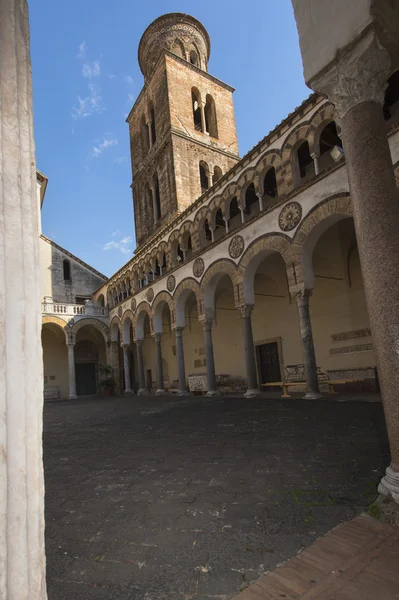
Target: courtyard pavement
[[172, 499]]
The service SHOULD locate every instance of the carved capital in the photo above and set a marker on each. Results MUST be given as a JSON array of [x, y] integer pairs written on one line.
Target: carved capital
[[139, 342], [157, 337], [245, 310], [359, 74], [206, 324], [179, 331], [300, 294], [125, 346]]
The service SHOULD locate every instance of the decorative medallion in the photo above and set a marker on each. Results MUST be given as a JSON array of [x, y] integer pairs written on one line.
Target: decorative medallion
[[198, 267], [133, 305], [171, 283], [120, 312], [150, 295], [236, 246], [290, 216]]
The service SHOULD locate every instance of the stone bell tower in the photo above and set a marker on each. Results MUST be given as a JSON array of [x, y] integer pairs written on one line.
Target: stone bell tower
[[182, 126]]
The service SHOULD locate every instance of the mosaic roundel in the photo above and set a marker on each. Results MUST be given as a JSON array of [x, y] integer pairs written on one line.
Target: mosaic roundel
[[133, 305], [171, 283], [119, 311], [198, 267], [236, 246], [150, 295], [290, 216]]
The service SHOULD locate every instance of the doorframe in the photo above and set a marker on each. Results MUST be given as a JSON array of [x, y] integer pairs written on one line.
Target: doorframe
[[279, 341], [90, 362]]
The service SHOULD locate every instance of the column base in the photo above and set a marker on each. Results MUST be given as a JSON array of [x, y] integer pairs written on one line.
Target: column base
[[313, 396], [160, 393], [389, 485], [183, 393], [128, 393], [142, 392], [252, 393], [212, 393], [72, 397]]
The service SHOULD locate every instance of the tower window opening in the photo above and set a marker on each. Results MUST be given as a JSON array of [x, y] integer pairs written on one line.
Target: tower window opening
[[204, 179], [194, 58], [158, 213], [145, 138], [210, 117], [195, 98], [67, 270], [217, 174], [391, 100], [270, 183], [178, 49], [152, 118]]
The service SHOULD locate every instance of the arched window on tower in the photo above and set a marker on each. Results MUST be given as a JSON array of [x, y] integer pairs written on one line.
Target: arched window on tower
[[217, 174], [204, 179], [210, 117], [329, 139], [194, 58], [270, 183], [304, 167], [178, 49], [67, 270], [152, 119], [157, 204], [196, 99], [391, 101], [145, 138]]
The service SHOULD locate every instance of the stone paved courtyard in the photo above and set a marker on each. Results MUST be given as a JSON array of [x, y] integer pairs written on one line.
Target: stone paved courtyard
[[173, 499]]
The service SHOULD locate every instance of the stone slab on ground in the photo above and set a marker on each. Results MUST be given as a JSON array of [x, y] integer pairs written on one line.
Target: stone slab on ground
[[355, 561], [160, 498]]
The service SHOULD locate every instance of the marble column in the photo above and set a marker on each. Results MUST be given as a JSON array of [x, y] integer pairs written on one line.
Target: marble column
[[260, 198], [226, 222], [71, 371], [203, 120], [114, 363], [210, 360], [309, 356], [250, 361], [158, 354], [140, 368], [315, 157], [22, 558], [183, 391], [126, 368], [356, 85]]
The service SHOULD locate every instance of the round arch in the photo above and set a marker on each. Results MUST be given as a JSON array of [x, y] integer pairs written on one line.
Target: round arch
[[211, 278], [50, 320], [114, 328], [161, 300], [142, 311], [126, 323], [183, 290], [102, 327]]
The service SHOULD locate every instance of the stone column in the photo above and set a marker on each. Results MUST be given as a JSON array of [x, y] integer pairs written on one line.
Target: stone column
[[252, 379], [150, 134], [260, 198], [183, 391], [242, 214], [356, 85], [203, 120], [140, 368], [309, 357], [226, 221], [71, 371], [158, 354], [315, 157], [212, 229], [114, 363], [22, 559], [126, 366], [210, 360]]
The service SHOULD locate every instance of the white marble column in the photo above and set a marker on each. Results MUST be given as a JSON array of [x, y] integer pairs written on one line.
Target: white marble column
[[260, 198], [315, 158], [126, 368], [210, 359], [252, 379], [71, 372], [226, 222], [140, 368], [22, 558], [203, 120]]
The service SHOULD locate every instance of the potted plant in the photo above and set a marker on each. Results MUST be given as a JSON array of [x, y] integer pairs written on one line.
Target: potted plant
[[107, 383]]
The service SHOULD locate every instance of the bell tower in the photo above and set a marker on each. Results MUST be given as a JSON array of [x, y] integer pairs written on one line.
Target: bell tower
[[182, 126]]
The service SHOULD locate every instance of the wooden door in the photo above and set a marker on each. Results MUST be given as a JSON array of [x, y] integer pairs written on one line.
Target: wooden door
[[269, 362]]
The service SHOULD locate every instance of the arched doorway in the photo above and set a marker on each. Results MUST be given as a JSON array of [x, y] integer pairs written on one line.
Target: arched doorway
[[90, 360], [55, 362]]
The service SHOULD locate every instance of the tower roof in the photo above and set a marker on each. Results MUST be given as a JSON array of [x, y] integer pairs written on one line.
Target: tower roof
[[165, 32]]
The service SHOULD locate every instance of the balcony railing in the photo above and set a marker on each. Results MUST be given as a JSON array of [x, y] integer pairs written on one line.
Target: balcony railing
[[89, 310]]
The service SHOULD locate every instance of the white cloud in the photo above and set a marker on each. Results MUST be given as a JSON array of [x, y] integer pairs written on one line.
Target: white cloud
[[104, 145], [129, 79], [115, 233], [90, 105], [82, 50], [131, 97], [124, 245], [120, 160], [111, 75], [91, 69]]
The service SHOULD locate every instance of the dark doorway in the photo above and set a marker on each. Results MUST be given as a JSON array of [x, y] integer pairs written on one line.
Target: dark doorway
[[269, 363], [86, 381]]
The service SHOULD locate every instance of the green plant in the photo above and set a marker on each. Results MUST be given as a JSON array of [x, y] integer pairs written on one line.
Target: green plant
[[374, 510]]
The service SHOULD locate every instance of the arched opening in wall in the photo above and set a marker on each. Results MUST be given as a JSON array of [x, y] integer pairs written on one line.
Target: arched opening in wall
[[220, 225], [194, 58], [101, 300], [391, 100], [207, 234], [187, 244], [178, 49], [55, 362], [163, 263], [145, 136], [276, 338], [196, 99], [217, 174], [66, 265], [150, 203], [329, 140], [158, 212], [90, 357], [304, 166], [211, 125], [179, 254], [163, 324], [338, 305], [251, 201], [157, 270], [270, 188], [204, 179], [143, 331], [151, 112], [235, 214]]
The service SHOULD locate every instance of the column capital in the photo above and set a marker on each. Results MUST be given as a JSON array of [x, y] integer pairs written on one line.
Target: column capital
[[179, 331], [139, 342], [359, 74], [245, 310], [260, 195], [206, 323], [125, 346], [157, 336], [315, 155], [300, 293], [71, 344]]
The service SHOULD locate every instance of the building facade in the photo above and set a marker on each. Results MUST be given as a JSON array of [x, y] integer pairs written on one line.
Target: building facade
[[247, 270]]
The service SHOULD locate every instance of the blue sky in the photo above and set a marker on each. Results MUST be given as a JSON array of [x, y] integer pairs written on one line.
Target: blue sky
[[86, 79]]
